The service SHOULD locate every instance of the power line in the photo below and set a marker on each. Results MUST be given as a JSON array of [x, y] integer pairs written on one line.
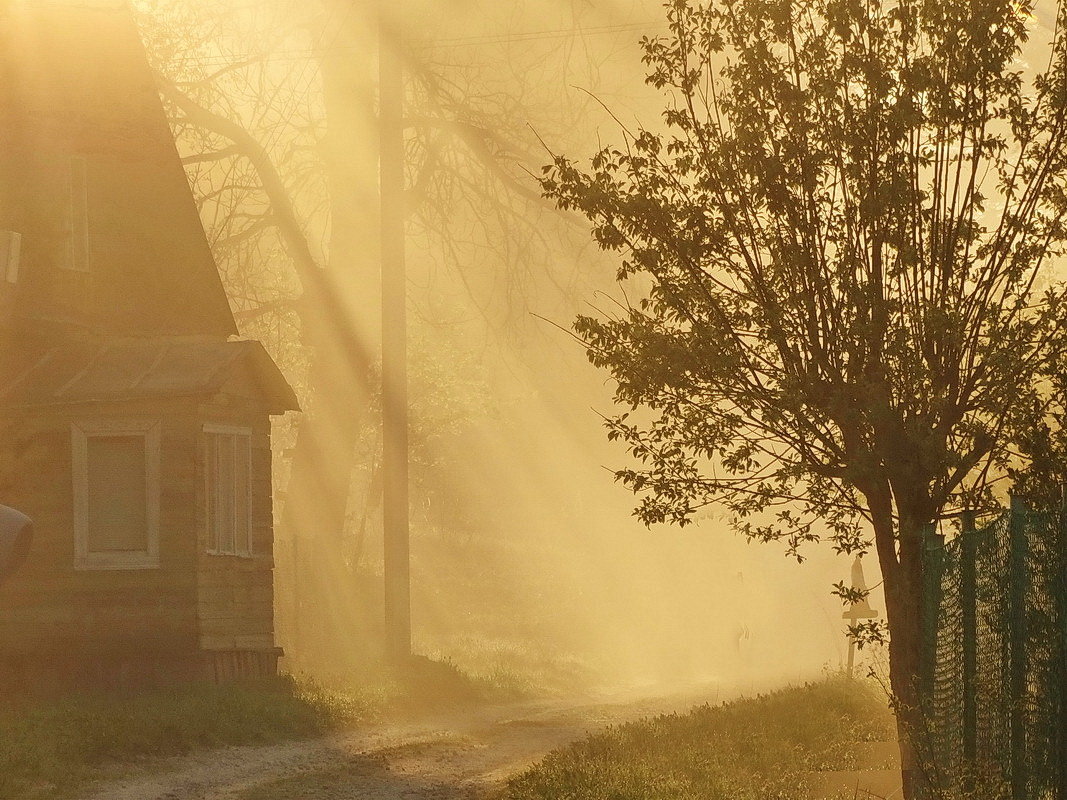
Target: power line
[[304, 72], [313, 53], [548, 34]]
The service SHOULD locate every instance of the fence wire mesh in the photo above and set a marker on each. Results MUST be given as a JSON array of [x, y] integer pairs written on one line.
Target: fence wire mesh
[[995, 660]]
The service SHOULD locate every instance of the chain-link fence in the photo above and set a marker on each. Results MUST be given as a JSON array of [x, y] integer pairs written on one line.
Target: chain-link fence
[[994, 660]]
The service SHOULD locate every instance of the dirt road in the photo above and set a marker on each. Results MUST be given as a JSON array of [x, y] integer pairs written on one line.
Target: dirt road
[[457, 757]]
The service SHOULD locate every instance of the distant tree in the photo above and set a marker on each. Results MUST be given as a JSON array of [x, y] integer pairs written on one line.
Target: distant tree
[[840, 232], [276, 115]]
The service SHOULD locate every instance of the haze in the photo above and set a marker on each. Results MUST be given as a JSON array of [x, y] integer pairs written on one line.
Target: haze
[[525, 560]]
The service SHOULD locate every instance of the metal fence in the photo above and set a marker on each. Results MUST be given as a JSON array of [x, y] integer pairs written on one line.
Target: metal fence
[[994, 660]]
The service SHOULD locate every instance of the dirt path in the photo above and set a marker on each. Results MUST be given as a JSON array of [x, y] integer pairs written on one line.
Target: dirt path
[[450, 758]]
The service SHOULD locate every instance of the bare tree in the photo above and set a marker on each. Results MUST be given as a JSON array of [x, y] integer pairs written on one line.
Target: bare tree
[[278, 116]]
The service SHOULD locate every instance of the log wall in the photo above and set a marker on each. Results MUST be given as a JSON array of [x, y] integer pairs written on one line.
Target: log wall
[[195, 616], [235, 594]]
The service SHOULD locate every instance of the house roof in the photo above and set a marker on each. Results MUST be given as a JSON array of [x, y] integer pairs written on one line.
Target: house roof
[[89, 166], [145, 369]]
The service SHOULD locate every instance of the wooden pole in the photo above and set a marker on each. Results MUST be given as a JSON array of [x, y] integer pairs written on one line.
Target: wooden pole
[[856, 612], [851, 647], [394, 345]]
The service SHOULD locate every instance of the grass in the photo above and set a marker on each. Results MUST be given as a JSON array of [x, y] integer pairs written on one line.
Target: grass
[[50, 748], [512, 667], [757, 748]]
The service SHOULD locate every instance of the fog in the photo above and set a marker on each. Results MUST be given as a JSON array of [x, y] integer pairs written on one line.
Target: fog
[[527, 565]]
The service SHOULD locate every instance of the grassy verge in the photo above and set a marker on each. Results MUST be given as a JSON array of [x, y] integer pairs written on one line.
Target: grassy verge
[[50, 748], [516, 665], [759, 748]]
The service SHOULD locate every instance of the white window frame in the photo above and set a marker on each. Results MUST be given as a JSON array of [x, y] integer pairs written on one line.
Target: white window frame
[[81, 432], [213, 548]]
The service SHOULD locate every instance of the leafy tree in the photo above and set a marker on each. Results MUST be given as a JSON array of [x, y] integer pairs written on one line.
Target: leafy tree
[[838, 241]]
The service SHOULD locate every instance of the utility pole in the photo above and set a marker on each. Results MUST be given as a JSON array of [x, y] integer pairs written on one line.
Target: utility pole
[[857, 611], [394, 342]]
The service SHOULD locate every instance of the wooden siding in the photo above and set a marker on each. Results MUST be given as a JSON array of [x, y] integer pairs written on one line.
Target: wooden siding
[[235, 594], [81, 86], [222, 666], [197, 615], [51, 606]]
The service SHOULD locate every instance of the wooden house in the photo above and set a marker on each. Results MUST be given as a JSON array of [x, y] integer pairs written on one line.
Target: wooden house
[[134, 425]]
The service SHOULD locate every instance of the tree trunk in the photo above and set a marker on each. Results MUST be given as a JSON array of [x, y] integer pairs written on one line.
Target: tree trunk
[[903, 595], [341, 333], [899, 548], [316, 504]]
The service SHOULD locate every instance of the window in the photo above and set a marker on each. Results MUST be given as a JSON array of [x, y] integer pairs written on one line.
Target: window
[[228, 489], [79, 215], [116, 495]]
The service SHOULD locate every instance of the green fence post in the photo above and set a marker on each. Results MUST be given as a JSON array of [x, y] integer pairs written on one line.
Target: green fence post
[[933, 552], [1061, 676], [969, 623], [1018, 589]]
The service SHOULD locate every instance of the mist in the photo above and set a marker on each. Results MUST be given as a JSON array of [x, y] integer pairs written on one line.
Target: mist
[[526, 562], [454, 398], [528, 568]]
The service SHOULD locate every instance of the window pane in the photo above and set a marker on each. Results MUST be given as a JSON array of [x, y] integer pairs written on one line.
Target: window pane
[[241, 495], [228, 483], [211, 457], [225, 494], [118, 494]]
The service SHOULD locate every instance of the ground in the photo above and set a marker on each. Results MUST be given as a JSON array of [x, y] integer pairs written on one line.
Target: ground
[[450, 757], [457, 756]]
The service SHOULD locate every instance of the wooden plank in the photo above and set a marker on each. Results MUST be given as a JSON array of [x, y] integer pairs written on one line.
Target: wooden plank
[[239, 615], [260, 641], [216, 641]]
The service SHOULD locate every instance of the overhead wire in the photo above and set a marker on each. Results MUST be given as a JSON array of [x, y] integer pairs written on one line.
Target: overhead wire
[[307, 67], [313, 53]]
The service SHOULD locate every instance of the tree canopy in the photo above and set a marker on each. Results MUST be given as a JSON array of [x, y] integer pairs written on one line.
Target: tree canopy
[[845, 227], [836, 249]]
